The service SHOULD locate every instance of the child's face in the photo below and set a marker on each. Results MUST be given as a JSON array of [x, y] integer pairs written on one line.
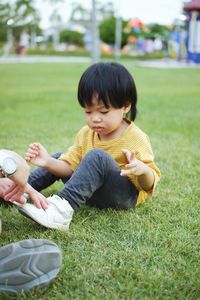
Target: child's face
[[107, 122]]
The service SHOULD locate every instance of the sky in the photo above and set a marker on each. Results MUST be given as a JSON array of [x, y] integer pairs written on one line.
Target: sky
[[149, 11]]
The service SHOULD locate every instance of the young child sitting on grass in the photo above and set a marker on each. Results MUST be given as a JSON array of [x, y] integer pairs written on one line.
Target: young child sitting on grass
[[110, 165]]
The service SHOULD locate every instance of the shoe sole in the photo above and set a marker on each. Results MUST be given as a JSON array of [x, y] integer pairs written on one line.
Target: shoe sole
[[28, 263], [29, 216]]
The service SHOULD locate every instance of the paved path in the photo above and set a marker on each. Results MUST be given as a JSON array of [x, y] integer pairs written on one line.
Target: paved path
[[159, 63], [167, 64], [43, 59]]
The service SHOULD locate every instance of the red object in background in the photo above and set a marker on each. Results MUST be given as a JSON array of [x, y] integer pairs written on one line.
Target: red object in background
[[193, 5], [136, 23]]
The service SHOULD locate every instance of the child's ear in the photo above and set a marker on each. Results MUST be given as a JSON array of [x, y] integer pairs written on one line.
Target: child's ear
[[127, 107]]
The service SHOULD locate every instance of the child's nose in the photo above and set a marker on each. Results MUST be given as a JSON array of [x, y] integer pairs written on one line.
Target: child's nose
[[96, 118]]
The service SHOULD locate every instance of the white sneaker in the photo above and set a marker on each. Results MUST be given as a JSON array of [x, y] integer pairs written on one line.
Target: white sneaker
[[57, 216]]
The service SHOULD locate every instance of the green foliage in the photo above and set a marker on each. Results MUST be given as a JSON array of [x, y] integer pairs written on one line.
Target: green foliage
[[157, 30], [3, 33], [151, 252], [19, 15], [72, 37], [4, 12], [151, 31], [107, 31], [82, 15], [51, 51]]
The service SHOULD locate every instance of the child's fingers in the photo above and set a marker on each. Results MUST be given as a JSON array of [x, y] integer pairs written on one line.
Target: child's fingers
[[129, 154], [34, 148], [34, 145], [133, 164], [28, 157], [31, 154], [127, 172], [131, 168], [37, 147]]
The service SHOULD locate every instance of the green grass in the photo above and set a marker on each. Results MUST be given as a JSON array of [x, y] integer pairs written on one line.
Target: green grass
[[151, 252]]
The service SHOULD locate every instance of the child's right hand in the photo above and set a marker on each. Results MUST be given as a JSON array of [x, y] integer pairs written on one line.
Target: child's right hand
[[37, 155]]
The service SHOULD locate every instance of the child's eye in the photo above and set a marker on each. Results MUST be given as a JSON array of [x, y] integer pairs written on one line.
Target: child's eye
[[88, 112], [104, 112]]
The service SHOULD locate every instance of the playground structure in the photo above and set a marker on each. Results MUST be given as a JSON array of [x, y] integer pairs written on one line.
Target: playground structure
[[193, 30]]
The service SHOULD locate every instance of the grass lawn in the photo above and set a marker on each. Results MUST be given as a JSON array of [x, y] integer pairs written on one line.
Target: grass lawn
[[152, 252]]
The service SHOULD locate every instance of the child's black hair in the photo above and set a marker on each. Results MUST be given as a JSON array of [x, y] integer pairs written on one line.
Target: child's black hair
[[109, 82]]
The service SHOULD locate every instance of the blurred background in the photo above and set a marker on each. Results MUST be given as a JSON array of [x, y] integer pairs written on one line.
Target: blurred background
[[157, 29]]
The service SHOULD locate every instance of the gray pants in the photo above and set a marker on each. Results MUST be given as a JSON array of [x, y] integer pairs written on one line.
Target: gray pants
[[96, 182]]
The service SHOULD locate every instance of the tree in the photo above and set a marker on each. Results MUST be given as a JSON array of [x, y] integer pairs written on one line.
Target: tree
[[155, 30], [83, 15], [72, 37], [17, 16], [106, 11], [107, 31], [80, 14], [4, 13], [18, 13]]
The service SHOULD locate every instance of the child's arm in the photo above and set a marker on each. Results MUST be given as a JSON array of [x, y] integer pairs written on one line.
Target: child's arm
[[38, 155], [138, 168]]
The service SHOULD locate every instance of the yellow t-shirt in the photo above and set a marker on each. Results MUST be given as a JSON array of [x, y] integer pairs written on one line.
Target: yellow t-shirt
[[132, 139]]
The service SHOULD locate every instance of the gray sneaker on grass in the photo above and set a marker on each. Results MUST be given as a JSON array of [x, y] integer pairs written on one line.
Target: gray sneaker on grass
[[27, 264]]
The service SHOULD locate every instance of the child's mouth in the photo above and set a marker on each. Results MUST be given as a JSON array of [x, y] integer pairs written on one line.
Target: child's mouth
[[98, 129]]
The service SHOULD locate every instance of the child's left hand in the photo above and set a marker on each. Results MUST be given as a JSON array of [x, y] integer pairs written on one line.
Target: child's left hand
[[134, 166]]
